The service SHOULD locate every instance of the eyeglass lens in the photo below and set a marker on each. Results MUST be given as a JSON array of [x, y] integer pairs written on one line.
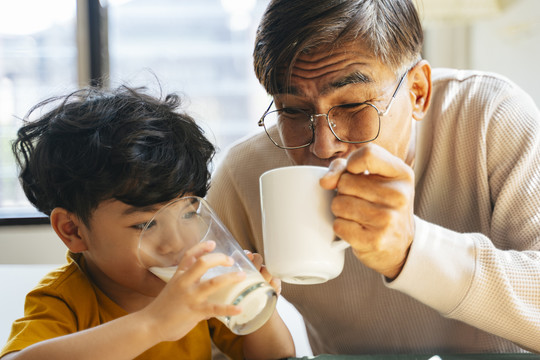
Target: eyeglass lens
[[353, 123]]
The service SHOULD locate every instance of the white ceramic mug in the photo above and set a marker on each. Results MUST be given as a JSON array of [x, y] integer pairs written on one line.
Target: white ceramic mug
[[300, 246]]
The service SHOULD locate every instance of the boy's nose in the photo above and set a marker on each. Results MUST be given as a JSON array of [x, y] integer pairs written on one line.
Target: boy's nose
[[171, 242]]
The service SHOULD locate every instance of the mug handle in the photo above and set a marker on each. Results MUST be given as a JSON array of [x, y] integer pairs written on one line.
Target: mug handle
[[340, 245]]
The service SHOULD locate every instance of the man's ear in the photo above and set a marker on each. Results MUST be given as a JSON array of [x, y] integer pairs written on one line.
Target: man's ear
[[420, 89], [68, 227]]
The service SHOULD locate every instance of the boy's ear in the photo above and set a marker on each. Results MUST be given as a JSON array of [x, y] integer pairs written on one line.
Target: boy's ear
[[420, 89], [68, 227]]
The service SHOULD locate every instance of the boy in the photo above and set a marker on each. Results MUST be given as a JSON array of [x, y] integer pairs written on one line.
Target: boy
[[100, 164]]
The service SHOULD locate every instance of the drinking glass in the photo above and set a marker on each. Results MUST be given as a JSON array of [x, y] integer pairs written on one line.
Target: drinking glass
[[187, 221]]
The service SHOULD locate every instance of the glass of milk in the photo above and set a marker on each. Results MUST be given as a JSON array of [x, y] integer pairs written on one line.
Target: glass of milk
[[181, 224]]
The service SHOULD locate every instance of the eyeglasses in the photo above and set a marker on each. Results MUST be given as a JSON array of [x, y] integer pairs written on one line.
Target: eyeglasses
[[354, 123]]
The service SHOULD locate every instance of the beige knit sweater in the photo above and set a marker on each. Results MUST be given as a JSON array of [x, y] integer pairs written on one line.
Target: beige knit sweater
[[471, 282]]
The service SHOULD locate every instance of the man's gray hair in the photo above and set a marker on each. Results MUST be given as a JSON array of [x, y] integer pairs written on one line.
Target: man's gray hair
[[390, 29]]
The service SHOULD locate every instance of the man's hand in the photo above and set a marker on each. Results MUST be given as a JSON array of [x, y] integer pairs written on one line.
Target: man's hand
[[374, 206]]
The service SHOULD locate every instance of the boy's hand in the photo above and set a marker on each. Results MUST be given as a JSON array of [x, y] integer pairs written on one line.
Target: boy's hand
[[183, 302], [257, 260]]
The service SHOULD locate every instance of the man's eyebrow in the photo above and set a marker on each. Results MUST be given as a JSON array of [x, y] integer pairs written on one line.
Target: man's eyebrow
[[356, 77], [353, 78], [288, 90]]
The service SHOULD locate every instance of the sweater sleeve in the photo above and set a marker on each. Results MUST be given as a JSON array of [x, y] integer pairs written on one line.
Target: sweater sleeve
[[489, 278]]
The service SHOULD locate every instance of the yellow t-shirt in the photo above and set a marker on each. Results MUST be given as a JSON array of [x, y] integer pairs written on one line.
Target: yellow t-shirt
[[66, 301]]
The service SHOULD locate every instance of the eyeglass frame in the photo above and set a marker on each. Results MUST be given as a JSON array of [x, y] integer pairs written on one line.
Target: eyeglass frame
[[331, 124]]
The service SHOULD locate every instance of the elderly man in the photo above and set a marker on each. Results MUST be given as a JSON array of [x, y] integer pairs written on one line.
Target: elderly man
[[437, 176]]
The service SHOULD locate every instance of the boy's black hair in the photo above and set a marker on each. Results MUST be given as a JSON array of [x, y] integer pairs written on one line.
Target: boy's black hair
[[118, 144]]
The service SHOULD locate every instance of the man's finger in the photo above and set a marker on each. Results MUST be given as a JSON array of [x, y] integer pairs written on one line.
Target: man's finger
[[376, 160], [330, 180]]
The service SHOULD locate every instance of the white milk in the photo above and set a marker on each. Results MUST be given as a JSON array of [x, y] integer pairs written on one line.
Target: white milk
[[164, 273], [250, 294], [256, 298]]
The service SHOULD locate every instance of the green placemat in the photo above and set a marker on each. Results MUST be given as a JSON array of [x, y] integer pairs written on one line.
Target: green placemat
[[425, 357]]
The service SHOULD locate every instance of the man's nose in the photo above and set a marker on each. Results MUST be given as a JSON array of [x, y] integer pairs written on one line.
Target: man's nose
[[325, 145]]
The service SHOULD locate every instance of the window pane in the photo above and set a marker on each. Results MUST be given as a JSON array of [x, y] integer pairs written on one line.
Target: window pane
[[38, 59], [199, 49]]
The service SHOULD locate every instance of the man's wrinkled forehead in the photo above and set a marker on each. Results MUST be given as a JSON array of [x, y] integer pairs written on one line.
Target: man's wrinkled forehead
[[331, 69], [288, 86]]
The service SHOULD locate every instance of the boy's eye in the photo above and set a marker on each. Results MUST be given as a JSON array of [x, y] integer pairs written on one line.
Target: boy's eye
[[189, 215], [141, 226]]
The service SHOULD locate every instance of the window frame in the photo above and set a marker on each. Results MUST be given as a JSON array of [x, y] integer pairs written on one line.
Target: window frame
[[92, 67]]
